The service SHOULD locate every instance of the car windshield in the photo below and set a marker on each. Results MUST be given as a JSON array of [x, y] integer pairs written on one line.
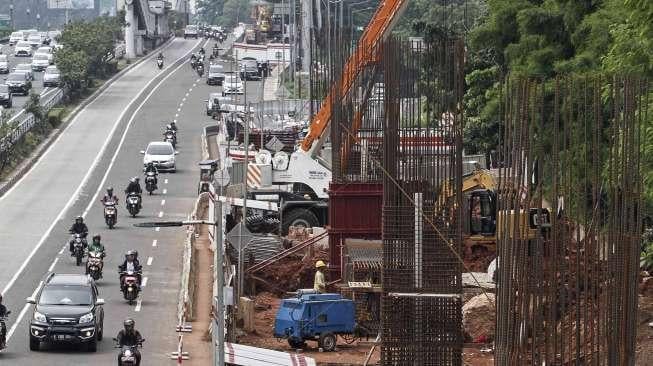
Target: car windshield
[[16, 77], [159, 150], [40, 56], [52, 70], [215, 68], [4, 88], [191, 28], [66, 295], [35, 38], [23, 44], [44, 50]]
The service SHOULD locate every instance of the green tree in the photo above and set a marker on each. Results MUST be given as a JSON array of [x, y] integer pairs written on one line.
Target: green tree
[[209, 11], [73, 66], [234, 12]]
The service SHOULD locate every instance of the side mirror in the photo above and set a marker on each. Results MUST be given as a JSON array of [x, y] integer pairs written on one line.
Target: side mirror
[[30, 300], [142, 152], [176, 152], [99, 302]]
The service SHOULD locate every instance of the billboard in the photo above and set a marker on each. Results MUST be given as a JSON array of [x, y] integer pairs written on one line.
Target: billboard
[[71, 4]]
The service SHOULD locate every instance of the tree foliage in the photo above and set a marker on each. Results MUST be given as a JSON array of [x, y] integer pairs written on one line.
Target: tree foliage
[[227, 13]]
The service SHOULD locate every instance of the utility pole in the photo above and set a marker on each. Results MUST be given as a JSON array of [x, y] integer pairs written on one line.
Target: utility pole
[[11, 15], [218, 333]]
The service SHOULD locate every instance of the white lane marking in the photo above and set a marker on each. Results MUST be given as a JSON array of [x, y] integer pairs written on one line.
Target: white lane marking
[[157, 229], [124, 135], [164, 191], [163, 202], [181, 105], [53, 264], [165, 181], [144, 283], [194, 84], [22, 314], [149, 261], [176, 115], [62, 249], [178, 109], [174, 120], [47, 151], [187, 94], [139, 303], [154, 242], [183, 99], [160, 213]]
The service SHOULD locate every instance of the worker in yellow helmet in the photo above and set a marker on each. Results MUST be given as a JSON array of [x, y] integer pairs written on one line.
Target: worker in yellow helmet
[[319, 284]]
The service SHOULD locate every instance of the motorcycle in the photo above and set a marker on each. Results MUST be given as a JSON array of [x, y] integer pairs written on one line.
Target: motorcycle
[[3, 330], [200, 70], [79, 243], [159, 63], [110, 214], [127, 355], [150, 182], [94, 264], [129, 285], [133, 204], [169, 136], [193, 63]]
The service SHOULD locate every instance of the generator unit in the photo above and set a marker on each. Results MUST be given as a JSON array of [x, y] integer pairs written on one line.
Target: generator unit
[[316, 317]]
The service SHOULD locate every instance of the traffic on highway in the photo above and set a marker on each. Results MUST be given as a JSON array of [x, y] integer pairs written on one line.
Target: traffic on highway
[[85, 285]]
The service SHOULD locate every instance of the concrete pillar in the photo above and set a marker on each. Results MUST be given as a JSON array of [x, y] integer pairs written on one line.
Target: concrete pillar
[[306, 12], [130, 47], [139, 45]]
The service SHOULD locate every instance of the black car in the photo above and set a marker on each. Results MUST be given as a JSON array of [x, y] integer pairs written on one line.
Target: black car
[[5, 96], [67, 309], [19, 83]]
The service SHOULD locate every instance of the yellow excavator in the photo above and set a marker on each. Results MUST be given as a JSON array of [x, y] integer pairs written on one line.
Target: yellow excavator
[[482, 225]]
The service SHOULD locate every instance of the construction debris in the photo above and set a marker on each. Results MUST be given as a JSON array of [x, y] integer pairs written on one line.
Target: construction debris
[[479, 317]]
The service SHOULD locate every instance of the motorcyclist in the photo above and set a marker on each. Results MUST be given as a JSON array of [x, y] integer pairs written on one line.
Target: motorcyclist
[[129, 336], [131, 264], [202, 50], [160, 56], [151, 168], [134, 187], [173, 126], [79, 227], [3, 331], [96, 245], [108, 197]]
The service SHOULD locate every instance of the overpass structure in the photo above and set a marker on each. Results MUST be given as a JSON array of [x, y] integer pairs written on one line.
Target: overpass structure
[[147, 24]]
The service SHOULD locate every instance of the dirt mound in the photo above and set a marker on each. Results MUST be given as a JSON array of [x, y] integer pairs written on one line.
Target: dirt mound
[[289, 274]]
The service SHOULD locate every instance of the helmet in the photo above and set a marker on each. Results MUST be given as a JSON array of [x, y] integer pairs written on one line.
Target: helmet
[[173, 123], [79, 219], [320, 264], [136, 179], [97, 237], [151, 163], [131, 253], [168, 126], [129, 324], [132, 179], [110, 190]]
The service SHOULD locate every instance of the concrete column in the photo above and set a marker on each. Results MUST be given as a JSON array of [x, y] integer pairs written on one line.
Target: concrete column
[[306, 11], [130, 47], [139, 45]]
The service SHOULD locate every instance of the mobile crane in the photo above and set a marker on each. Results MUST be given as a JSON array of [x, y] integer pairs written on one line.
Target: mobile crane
[[303, 177]]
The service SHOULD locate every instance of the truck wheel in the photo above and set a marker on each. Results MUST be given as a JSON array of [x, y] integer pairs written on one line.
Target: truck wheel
[[299, 217], [327, 342], [296, 344]]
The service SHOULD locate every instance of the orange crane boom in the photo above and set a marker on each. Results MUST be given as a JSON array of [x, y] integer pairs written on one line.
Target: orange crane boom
[[365, 53]]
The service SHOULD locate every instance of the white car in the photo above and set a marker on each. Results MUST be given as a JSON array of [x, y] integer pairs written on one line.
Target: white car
[[162, 154], [23, 49], [40, 61], [35, 39], [51, 77], [232, 85], [15, 37]]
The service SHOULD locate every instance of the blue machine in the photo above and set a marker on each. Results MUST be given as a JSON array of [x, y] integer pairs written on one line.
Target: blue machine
[[315, 316]]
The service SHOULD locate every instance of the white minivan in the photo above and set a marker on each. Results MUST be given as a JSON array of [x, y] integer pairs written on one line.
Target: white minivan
[[15, 37]]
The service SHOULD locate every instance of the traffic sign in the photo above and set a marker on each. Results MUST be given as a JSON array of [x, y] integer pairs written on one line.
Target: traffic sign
[[239, 236]]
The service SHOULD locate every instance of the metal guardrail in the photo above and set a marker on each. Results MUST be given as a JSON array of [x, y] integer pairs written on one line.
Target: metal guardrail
[[28, 121]]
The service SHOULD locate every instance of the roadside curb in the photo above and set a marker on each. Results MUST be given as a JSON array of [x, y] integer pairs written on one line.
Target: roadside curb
[[28, 163]]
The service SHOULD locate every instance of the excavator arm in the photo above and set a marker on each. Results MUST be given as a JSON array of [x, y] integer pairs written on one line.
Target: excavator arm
[[366, 52]]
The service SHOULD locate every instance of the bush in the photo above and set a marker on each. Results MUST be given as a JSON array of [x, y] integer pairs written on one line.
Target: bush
[[55, 115]]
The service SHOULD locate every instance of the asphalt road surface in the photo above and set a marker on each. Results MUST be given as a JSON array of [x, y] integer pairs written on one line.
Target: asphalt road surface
[[37, 84], [101, 148]]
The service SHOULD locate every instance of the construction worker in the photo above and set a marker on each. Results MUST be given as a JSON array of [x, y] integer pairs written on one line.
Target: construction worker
[[319, 284]]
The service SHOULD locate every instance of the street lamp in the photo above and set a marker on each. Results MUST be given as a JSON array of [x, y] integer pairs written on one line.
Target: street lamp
[[218, 332]]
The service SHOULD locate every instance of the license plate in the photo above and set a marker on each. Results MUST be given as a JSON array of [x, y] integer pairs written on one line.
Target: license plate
[[61, 337]]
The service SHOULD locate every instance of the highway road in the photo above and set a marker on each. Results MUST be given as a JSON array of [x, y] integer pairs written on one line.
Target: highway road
[[101, 148], [37, 84]]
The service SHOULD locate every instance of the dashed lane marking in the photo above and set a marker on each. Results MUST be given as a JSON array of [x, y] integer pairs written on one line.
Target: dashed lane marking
[[144, 283], [154, 242], [157, 229], [160, 213], [165, 181], [149, 261], [53, 264], [62, 249], [139, 304], [163, 202], [164, 191]]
